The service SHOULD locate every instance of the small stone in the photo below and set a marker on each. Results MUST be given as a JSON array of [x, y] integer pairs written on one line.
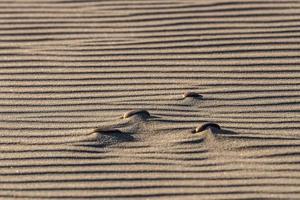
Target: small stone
[[191, 94], [142, 113], [205, 126]]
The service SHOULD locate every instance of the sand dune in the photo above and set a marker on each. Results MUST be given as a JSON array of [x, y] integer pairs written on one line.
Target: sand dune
[[70, 66]]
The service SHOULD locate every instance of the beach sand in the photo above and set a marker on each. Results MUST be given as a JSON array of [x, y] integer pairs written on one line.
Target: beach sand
[[71, 66]]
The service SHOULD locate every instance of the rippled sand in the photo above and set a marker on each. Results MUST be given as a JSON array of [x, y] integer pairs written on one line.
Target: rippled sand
[[69, 67]]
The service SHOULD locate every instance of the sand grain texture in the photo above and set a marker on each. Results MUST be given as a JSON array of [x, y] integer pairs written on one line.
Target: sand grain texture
[[70, 66]]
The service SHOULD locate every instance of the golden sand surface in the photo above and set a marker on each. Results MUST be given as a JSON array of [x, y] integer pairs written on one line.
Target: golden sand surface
[[68, 67]]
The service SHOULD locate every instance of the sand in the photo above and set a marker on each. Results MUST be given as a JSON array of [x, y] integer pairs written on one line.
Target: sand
[[70, 66]]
